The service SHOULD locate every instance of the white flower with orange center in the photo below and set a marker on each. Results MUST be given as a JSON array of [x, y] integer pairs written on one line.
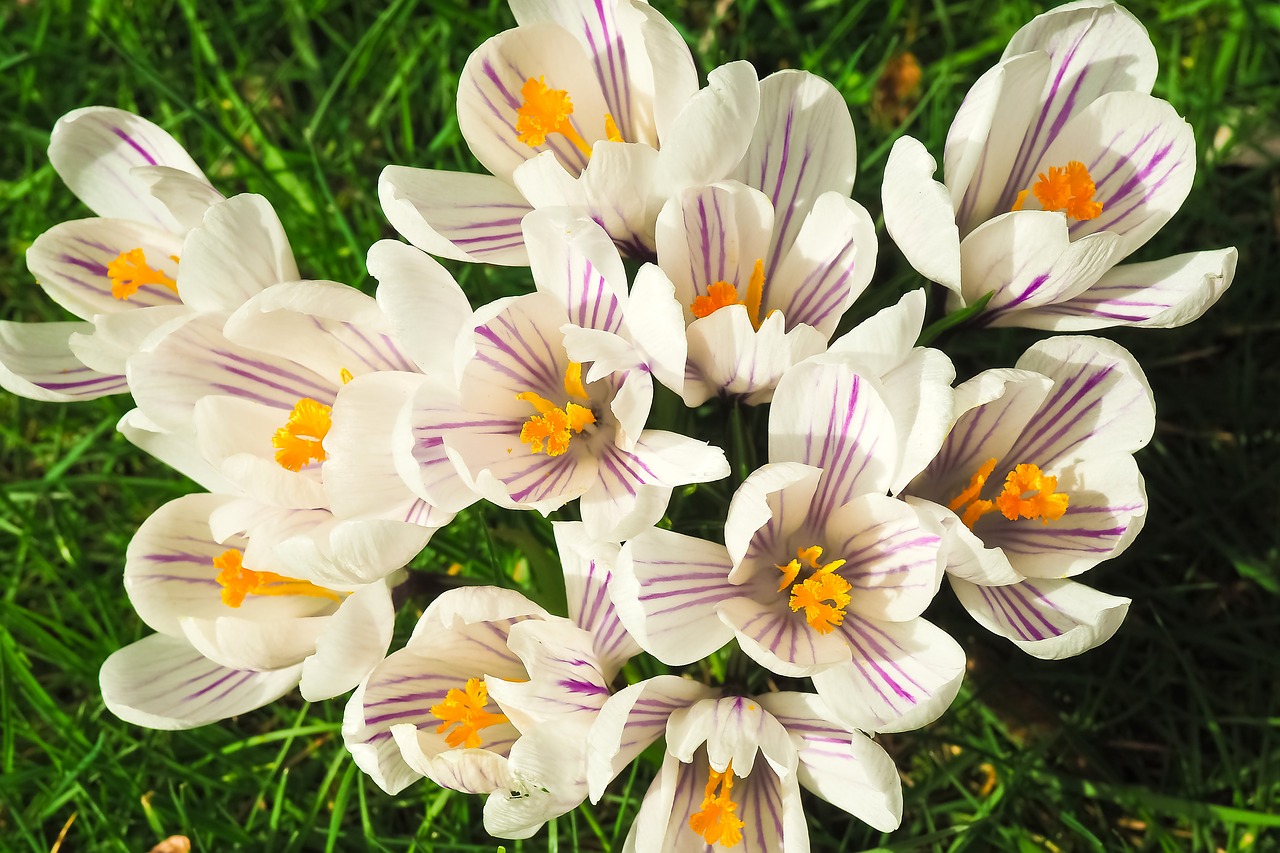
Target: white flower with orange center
[[822, 573], [148, 194], [492, 695], [734, 766], [545, 396], [236, 626], [1058, 166], [1036, 483]]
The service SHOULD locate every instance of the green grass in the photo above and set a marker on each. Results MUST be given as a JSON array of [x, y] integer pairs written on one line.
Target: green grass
[[1166, 738]]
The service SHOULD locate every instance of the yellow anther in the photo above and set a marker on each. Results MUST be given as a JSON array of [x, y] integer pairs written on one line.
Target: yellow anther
[[546, 111], [611, 131], [466, 710], [717, 821], [789, 573], [345, 376], [237, 582], [299, 442], [1068, 189], [130, 270], [573, 381], [722, 294], [1043, 502]]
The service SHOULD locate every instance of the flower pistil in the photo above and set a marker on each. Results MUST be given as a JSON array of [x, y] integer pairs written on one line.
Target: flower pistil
[[237, 581], [1068, 188], [717, 821], [466, 710], [546, 111], [130, 271]]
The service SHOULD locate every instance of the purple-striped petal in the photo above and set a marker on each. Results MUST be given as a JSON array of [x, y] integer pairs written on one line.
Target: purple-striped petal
[[36, 362], [575, 261], [727, 355], [161, 682], [903, 675], [779, 640], [465, 217], [1046, 618], [565, 684], [587, 565]]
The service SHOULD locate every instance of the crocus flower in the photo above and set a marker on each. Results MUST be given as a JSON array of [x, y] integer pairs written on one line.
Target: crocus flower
[[1035, 484], [588, 105], [822, 573], [147, 193], [490, 695], [234, 631], [734, 766], [1059, 165], [527, 421]]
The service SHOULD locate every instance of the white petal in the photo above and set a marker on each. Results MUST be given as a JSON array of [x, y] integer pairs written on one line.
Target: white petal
[[547, 778], [565, 685], [255, 645], [770, 505], [353, 643], [456, 215], [238, 250], [732, 357], [117, 337], [36, 362], [186, 195], [619, 188], [1160, 294], [884, 341], [94, 151], [1049, 619], [903, 675], [70, 261], [574, 260], [349, 553], [425, 305], [655, 320], [734, 729], [176, 449], [708, 138], [161, 682], [588, 573], [918, 214], [779, 640], [665, 588], [965, 555], [803, 146]]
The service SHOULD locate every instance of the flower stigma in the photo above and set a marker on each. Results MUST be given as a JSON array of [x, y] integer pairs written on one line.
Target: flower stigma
[[130, 271], [237, 582], [465, 709], [299, 442], [820, 587], [550, 430], [546, 111], [1068, 188], [723, 294], [717, 821], [1028, 493]]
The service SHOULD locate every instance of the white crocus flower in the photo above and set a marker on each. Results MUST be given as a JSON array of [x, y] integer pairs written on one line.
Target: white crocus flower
[[253, 392], [147, 193], [547, 395], [234, 631], [734, 767], [1036, 483], [822, 573], [1059, 165], [592, 106], [493, 695]]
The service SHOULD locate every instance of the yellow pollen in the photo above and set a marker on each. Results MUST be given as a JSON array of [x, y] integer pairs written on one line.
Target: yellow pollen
[[546, 111], [237, 582], [823, 585], [549, 431], [298, 442], [345, 376], [722, 294], [465, 709], [1042, 502], [1069, 189], [717, 822], [129, 271]]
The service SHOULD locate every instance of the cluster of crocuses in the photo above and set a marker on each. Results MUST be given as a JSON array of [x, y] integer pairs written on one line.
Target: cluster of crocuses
[[336, 432]]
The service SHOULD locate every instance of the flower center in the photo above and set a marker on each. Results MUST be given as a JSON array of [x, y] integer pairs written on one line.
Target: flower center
[[298, 442], [129, 271], [717, 822], [722, 294], [1028, 493], [237, 582], [823, 586], [1069, 189], [546, 111], [466, 710], [549, 431]]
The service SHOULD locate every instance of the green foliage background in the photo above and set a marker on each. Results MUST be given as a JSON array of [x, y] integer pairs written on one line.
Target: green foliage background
[[1167, 737]]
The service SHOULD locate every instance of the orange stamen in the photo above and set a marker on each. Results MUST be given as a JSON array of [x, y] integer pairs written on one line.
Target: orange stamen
[[824, 584], [551, 429], [546, 111], [299, 442], [130, 270], [717, 821], [722, 294], [1043, 502], [238, 582], [466, 710]]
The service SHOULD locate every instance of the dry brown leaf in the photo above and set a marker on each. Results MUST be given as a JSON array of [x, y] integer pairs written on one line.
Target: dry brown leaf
[[173, 844]]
